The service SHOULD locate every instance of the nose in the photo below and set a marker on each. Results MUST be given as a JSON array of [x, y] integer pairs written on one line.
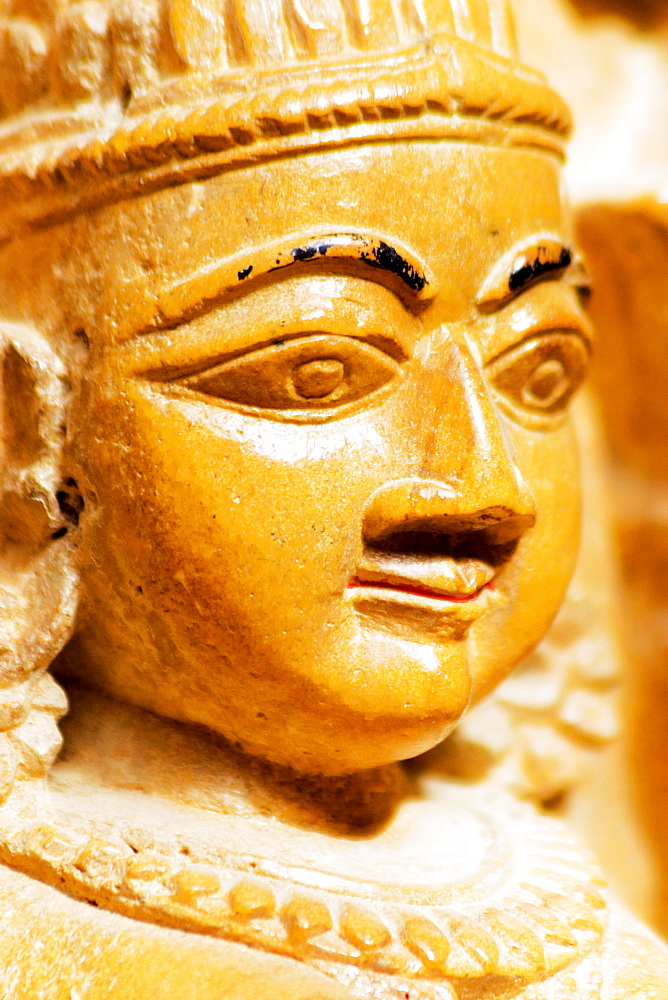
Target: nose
[[468, 481]]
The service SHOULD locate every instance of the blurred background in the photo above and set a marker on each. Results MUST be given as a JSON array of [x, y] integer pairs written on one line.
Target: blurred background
[[609, 59]]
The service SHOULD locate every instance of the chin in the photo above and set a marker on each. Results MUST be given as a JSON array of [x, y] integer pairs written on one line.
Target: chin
[[382, 700], [365, 745]]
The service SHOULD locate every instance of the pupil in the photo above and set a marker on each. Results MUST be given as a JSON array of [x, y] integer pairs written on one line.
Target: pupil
[[546, 384], [315, 379]]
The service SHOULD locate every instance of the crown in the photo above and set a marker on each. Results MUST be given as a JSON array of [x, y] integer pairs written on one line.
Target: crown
[[95, 93]]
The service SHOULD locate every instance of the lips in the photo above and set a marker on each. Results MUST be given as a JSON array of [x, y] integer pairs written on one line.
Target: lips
[[444, 579]]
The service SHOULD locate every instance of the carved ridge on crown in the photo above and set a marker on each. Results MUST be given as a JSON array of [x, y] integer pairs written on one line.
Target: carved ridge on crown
[[442, 88], [121, 52], [102, 99], [55, 52]]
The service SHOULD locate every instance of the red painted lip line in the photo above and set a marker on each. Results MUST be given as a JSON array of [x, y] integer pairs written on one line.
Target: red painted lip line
[[421, 591]]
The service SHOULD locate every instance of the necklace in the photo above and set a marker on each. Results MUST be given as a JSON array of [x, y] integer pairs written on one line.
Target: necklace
[[530, 909]]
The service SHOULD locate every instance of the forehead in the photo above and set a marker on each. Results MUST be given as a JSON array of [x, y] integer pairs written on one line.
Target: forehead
[[458, 207]]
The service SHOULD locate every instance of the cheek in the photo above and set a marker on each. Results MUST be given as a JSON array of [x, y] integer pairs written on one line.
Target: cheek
[[242, 514], [536, 579], [550, 464]]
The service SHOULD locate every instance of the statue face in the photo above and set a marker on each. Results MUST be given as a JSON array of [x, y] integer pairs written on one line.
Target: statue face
[[330, 480]]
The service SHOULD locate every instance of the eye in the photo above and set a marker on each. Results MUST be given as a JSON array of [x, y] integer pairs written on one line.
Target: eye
[[317, 372], [541, 375]]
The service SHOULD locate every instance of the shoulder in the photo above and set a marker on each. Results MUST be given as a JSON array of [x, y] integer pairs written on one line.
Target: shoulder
[[636, 961], [53, 947]]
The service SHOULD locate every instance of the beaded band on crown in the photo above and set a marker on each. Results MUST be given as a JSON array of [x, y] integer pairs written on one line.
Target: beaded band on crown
[[100, 98]]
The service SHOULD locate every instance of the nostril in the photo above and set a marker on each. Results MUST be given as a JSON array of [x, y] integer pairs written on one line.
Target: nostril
[[508, 530], [482, 545], [429, 508]]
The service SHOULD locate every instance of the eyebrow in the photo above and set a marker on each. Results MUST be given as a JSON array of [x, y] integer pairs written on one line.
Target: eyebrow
[[202, 290], [537, 259]]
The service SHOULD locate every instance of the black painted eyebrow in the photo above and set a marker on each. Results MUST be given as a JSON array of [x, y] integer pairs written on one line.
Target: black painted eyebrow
[[540, 258], [202, 290], [371, 251], [543, 262]]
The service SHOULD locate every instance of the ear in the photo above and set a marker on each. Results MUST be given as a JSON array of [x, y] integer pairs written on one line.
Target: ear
[[38, 581]]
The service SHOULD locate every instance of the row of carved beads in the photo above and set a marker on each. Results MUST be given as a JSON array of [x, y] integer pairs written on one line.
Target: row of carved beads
[[515, 941]]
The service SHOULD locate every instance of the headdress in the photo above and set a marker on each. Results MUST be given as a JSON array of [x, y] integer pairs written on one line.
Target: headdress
[[101, 97]]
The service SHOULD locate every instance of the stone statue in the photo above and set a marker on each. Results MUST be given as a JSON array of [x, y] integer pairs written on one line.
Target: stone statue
[[291, 322]]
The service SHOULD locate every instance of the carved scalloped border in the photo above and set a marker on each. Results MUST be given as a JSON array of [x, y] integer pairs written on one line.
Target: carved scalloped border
[[522, 933]]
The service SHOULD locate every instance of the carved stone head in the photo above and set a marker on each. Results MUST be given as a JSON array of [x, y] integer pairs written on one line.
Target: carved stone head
[[303, 274]]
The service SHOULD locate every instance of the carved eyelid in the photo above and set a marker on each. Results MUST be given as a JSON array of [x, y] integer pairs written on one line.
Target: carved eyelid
[[219, 336], [534, 338], [382, 259], [535, 332], [510, 362], [266, 378]]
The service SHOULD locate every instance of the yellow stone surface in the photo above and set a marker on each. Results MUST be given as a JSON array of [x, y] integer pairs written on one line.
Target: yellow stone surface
[[292, 324]]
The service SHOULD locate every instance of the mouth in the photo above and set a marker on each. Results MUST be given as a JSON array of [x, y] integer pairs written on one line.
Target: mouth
[[439, 578], [418, 590], [436, 589]]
